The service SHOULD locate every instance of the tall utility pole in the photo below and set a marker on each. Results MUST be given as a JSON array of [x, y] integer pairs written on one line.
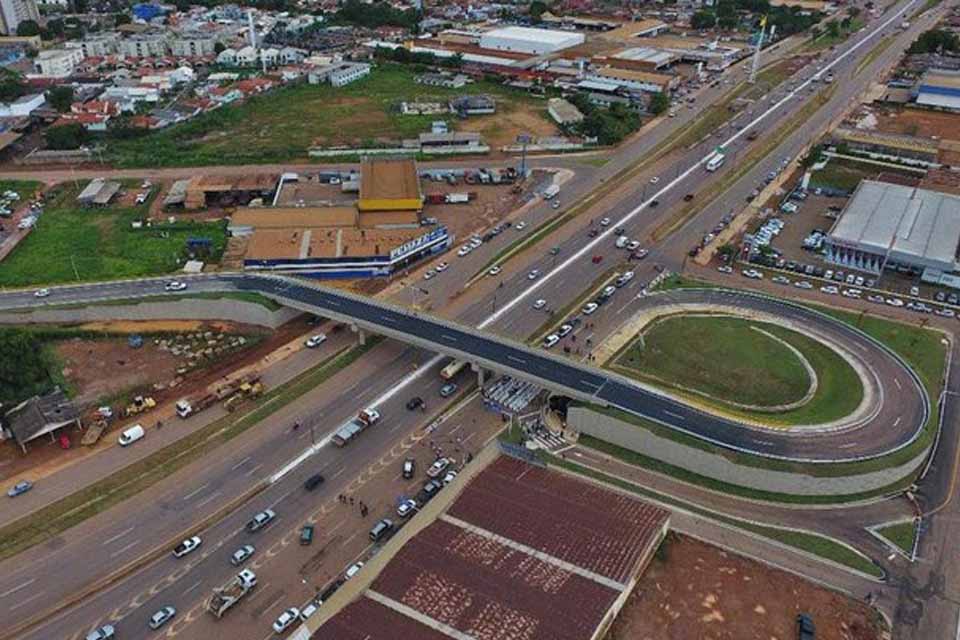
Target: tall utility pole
[[756, 53]]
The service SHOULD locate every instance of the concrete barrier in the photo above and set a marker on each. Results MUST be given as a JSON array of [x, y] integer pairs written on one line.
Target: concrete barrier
[[717, 466]]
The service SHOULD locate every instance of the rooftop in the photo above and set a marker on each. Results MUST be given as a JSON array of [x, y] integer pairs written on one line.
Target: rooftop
[[645, 54], [300, 217], [384, 180], [527, 33], [890, 217], [328, 242]]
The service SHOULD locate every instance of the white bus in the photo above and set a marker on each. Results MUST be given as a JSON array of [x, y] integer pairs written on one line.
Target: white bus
[[715, 161], [452, 369]]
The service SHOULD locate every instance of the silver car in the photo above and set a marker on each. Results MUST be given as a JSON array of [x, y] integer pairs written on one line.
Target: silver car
[[242, 554], [161, 617]]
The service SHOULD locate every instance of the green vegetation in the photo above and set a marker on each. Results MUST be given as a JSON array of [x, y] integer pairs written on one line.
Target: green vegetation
[[901, 535], [375, 14], [726, 359], [28, 366], [283, 124], [834, 32], [813, 543], [842, 174], [874, 54], [935, 41], [66, 136], [52, 520], [71, 243], [243, 296], [609, 125], [26, 189]]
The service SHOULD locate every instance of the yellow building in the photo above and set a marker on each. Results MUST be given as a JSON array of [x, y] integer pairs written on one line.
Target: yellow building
[[389, 185]]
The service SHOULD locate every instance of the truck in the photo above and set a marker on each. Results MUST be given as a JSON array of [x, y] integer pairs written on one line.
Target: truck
[[551, 192], [246, 391], [459, 198], [349, 431], [231, 593], [452, 369], [186, 407]]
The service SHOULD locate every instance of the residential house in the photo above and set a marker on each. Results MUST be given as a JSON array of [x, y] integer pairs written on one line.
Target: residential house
[[269, 56], [292, 55], [128, 97], [225, 95], [22, 106], [57, 63], [228, 57], [246, 56]]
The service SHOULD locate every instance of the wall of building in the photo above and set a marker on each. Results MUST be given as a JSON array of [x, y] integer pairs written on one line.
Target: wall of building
[[716, 466]]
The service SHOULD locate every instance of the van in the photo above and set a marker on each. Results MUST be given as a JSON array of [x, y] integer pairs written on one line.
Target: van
[[622, 242], [381, 530], [131, 435]]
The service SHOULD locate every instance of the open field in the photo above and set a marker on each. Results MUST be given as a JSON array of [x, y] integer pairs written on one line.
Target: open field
[[283, 124], [70, 243], [901, 534], [731, 361], [695, 590]]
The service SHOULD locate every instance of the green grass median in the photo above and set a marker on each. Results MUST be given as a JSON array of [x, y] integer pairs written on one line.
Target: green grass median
[[901, 534]]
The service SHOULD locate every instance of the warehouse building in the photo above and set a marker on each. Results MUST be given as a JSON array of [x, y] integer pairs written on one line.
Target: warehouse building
[[527, 40], [890, 226], [939, 88], [641, 59], [389, 185]]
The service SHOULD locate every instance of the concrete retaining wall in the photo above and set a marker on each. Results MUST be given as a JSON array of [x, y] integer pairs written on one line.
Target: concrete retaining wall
[[630, 436], [182, 309]]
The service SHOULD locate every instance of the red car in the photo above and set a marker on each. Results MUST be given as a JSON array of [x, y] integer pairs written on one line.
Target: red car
[[597, 259]]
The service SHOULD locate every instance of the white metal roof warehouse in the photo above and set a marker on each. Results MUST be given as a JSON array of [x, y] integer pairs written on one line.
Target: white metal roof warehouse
[[889, 225], [527, 40]]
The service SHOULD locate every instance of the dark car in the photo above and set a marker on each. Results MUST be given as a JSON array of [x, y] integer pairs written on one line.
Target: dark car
[[593, 233], [414, 403], [654, 202], [429, 490], [688, 197], [306, 534], [313, 482], [805, 627]]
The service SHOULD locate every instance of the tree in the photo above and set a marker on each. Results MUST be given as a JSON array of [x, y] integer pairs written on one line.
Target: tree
[[537, 9], [12, 86], [219, 47], [833, 29], [24, 368], [935, 40], [703, 20], [121, 18], [28, 28], [60, 97], [66, 136], [659, 103]]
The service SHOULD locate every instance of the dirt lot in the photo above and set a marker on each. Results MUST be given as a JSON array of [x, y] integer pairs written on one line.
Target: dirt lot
[[919, 122], [702, 592], [503, 128]]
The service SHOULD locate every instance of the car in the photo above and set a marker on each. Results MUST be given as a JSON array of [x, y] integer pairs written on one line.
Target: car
[[780, 279], [448, 390], [915, 291], [41, 293], [654, 202], [187, 546], [540, 304], [828, 274], [306, 534], [495, 270], [20, 488], [141, 198], [414, 403], [596, 259], [753, 274], [953, 299], [428, 491], [851, 293], [940, 296], [438, 467], [309, 609], [313, 481], [175, 285], [161, 617], [261, 520], [894, 302], [688, 197], [475, 242], [641, 254], [803, 284], [564, 330], [805, 627], [554, 251], [286, 619], [876, 299], [450, 477], [409, 468], [242, 554], [443, 266], [589, 308], [623, 279], [353, 570], [534, 274], [608, 291], [725, 269], [429, 274], [633, 245], [550, 340], [106, 632], [851, 278], [520, 226], [859, 281], [406, 508], [830, 290], [946, 313], [620, 231], [604, 222], [464, 250], [315, 341], [654, 179]]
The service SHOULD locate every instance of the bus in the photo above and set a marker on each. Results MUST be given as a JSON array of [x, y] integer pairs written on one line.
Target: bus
[[452, 369], [715, 161]]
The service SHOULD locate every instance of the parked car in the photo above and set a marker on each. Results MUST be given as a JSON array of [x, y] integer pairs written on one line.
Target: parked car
[[315, 341], [409, 468], [438, 467], [353, 570], [533, 274], [20, 488], [406, 508], [286, 619], [589, 308], [242, 554], [803, 284], [448, 390], [495, 270], [539, 304], [550, 340], [106, 632], [187, 546], [805, 627], [306, 534]]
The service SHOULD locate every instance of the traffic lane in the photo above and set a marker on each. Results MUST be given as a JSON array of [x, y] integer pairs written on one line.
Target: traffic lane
[[96, 547], [185, 583], [103, 461]]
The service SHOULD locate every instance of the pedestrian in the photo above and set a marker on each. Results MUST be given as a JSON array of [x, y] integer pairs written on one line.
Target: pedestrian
[[351, 501]]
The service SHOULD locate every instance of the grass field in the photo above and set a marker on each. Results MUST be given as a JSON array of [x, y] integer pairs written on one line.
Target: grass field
[[900, 534], [729, 361], [72, 244], [283, 124]]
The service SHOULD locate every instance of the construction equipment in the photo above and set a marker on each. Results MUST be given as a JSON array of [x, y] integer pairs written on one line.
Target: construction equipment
[[246, 391], [140, 404], [230, 594]]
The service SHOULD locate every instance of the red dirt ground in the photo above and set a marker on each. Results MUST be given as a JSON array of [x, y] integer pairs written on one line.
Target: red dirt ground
[[702, 592]]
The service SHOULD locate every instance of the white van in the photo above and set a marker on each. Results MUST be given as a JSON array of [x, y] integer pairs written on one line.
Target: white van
[[131, 435]]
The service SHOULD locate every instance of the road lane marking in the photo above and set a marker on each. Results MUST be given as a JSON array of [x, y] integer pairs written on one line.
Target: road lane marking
[[254, 470], [24, 602], [896, 381], [342, 469], [196, 491], [22, 585], [209, 498], [446, 337], [118, 536], [126, 548], [240, 464], [897, 421], [515, 359], [195, 585], [672, 414]]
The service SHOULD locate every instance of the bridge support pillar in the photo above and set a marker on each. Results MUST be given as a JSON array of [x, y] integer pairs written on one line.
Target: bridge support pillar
[[361, 334], [480, 374]]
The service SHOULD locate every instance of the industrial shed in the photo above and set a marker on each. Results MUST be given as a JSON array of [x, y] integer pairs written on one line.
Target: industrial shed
[[389, 185], [527, 40]]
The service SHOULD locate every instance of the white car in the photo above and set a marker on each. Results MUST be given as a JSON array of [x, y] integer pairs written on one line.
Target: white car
[[654, 179], [534, 274], [803, 284], [464, 250], [41, 293], [353, 570], [442, 267], [752, 274], [438, 467], [161, 617], [830, 289], [315, 341], [589, 308], [539, 304], [187, 546], [609, 290], [520, 226], [242, 554], [894, 302], [550, 340], [406, 508], [175, 285], [780, 279], [725, 269], [429, 274], [877, 299], [946, 313], [475, 242], [851, 293], [286, 619], [494, 271], [450, 477], [604, 222]]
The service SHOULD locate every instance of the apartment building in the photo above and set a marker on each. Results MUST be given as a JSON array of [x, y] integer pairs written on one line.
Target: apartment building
[[13, 12], [58, 63]]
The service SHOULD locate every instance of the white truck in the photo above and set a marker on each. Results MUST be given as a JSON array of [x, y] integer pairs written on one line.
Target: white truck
[[231, 593], [551, 192], [715, 161], [349, 431]]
